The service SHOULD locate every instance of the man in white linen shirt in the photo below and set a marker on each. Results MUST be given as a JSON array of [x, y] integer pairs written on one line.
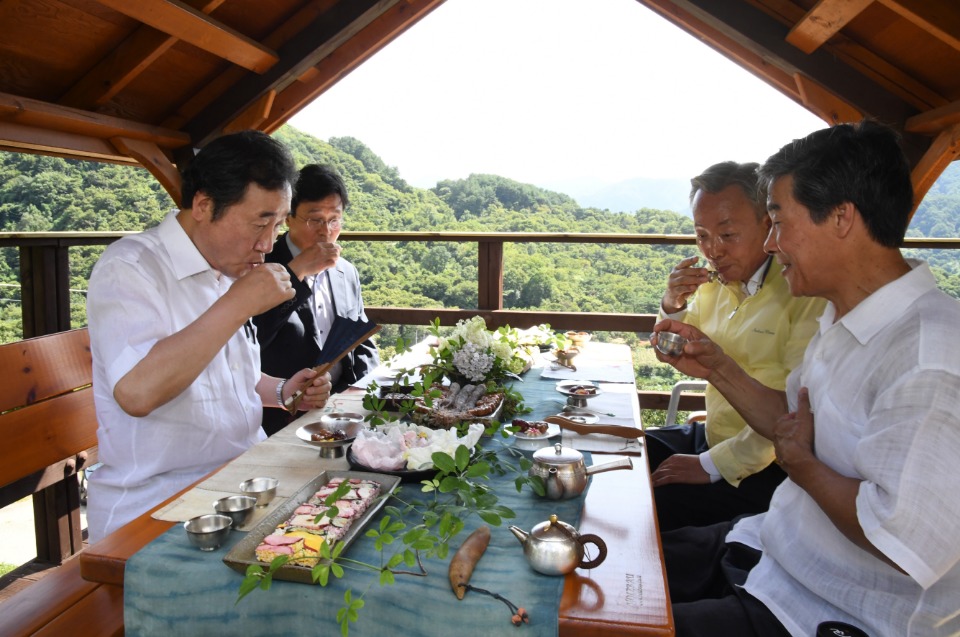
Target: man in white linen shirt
[[864, 530], [176, 366]]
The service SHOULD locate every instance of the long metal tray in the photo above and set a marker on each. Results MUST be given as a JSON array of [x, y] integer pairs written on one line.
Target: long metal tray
[[243, 554]]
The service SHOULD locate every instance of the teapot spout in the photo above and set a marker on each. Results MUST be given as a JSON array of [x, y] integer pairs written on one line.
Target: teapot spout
[[520, 534]]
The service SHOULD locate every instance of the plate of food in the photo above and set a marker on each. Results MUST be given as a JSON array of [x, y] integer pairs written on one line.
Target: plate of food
[[579, 388], [535, 429], [458, 404], [332, 432], [403, 475], [405, 450], [298, 527]]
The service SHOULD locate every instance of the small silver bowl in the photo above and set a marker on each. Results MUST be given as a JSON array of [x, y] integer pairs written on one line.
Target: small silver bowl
[[264, 489], [207, 532], [238, 508], [670, 344]]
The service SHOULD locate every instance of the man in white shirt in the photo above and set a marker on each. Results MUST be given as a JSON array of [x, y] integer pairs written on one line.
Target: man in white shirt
[[864, 529], [176, 371]]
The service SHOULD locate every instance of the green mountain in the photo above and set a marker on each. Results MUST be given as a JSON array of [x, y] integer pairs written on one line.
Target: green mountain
[[39, 193]]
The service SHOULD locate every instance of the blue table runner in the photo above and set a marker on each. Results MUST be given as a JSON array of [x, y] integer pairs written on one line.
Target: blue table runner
[[171, 588]]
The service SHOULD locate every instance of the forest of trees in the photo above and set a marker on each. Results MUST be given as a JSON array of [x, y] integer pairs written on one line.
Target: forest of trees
[[39, 193]]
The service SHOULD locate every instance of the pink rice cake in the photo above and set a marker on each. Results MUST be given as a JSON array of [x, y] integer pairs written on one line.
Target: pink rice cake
[[300, 536]]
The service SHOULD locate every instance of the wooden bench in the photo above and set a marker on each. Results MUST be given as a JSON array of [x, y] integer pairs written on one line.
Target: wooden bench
[[49, 430]]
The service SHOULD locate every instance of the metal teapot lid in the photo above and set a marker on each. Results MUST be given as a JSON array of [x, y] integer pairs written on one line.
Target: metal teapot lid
[[553, 530], [558, 455]]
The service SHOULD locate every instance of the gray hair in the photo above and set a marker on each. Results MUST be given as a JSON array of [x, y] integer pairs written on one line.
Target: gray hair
[[730, 173]]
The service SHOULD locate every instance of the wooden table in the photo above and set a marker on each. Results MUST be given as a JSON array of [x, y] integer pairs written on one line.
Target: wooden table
[[626, 595]]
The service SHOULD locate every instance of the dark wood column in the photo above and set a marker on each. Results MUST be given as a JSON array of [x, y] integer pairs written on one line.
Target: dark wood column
[[45, 288]]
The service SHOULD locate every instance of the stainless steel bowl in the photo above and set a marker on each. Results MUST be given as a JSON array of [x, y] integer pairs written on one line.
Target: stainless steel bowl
[[207, 532], [238, 508], [670, 344], [263, 489]]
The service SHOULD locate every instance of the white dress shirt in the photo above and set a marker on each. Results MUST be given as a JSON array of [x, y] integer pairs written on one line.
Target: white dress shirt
[[883, 383], [144, 288]]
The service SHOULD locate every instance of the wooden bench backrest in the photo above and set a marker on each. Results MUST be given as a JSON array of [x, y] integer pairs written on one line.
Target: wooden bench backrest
[[46, 402]]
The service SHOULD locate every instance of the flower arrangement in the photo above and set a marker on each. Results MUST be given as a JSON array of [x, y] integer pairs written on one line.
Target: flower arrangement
[[476, 354]]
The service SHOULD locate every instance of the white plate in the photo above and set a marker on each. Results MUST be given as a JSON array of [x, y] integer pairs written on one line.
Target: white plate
[[552, 430], [331, 422], [565, 387]]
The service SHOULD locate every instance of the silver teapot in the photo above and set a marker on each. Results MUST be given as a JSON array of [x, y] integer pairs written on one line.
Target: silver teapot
[[556, 548], [564, 473]]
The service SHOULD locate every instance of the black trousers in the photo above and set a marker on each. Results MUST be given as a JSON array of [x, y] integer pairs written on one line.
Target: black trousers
[[680, 505], [705, 576]]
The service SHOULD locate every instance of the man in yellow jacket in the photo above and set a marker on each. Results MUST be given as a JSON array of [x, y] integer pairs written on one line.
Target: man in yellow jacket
[[711, 472]]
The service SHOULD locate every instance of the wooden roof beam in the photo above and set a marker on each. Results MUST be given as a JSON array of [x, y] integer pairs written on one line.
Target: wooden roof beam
[[939, 18], [824, 104], [346, 57], [254, 116], [823, 21], [298, 53], [185, 23], [879, 70], [765, 36], [944, 149], [39, 114], [124, 63], [223, 81], [934, 121], [152, 158], [20, 138], [726, 46]]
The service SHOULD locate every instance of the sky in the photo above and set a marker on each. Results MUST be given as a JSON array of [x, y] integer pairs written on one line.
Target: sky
[[570, 95]]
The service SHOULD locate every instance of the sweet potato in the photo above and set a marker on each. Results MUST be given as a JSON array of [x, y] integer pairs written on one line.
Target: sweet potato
[[466, 558]]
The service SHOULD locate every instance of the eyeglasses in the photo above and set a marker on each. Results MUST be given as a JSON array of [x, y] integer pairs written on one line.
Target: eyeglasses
[[316, 224]]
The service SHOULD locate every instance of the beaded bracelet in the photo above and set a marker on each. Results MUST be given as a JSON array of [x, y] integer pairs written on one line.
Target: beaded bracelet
[[280, 393]]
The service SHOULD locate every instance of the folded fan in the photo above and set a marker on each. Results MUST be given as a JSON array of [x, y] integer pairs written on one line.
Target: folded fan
[[345, 335]]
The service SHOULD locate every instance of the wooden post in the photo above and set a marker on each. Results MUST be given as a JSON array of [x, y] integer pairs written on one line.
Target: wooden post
[[45, 289], [490, 275]]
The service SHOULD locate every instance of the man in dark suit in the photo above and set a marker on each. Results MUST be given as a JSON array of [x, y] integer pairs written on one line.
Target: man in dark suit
[[292, 334]]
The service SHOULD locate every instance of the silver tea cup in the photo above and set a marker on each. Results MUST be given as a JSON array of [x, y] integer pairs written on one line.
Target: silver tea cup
[[670, 344]]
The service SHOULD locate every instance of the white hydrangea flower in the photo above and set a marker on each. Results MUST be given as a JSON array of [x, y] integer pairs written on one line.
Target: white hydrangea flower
[[473, 362]]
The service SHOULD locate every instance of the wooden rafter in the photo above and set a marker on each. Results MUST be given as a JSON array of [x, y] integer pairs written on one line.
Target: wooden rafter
[[825, 104], [944, 149], [765, 36], [824, 21], [254, 116], [298, 53], [39, 114], [152, 158], [44, 141], [725, 44], [939, 18], [934, 121], [349, 55], [203, 98], [125, 63], [186, 23], [863, 60]]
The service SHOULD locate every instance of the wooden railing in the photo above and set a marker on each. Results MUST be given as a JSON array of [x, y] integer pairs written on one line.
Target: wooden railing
[[44, 260]]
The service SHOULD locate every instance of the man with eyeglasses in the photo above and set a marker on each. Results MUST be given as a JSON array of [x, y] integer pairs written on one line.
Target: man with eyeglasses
[[711, 472], [293, 333]]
